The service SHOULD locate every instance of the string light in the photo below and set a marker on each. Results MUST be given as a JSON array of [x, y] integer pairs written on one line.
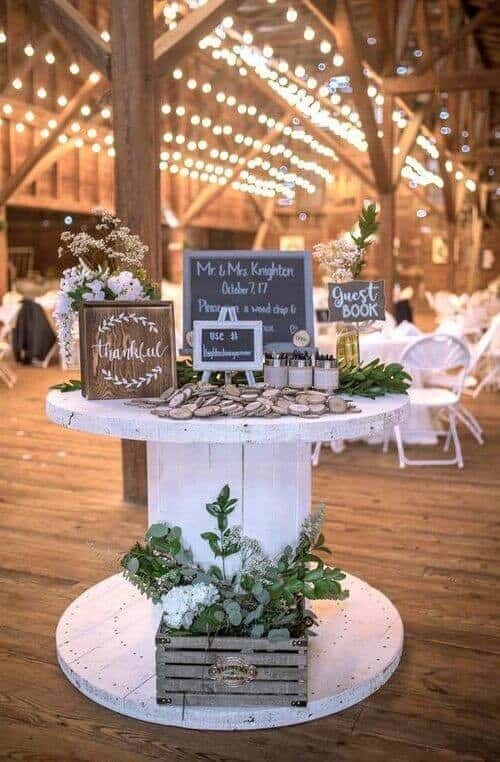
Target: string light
[[29, 116], [94, 77], [50, 57], [52, 123], [62, 101], [3, 37], [177, 74], [309, 33], [105, 35], [41, 92], [74, 68], [338, 60], [17, 83], [85, 110], [20, 127], [106, 112], [29, 50]]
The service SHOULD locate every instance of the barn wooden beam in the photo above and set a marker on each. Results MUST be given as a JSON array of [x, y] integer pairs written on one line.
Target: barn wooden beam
[[479, 153], [348, 46], [406, 143], [263, 229], [422, 26], [77, 30], [403, 26], [451, 44], [18, 177], [175, 43], [478, 79], [137, 176]]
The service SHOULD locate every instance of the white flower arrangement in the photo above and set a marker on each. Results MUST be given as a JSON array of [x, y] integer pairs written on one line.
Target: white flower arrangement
[[344, 258], [110, 266], [181, 604]]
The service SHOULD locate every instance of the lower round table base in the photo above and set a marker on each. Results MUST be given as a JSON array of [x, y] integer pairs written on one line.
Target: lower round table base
[[106, 648]]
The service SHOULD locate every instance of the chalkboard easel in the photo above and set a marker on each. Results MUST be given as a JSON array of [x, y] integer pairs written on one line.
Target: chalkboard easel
[[229, 316]]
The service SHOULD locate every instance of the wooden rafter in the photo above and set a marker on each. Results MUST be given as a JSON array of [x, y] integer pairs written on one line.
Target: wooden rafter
[[39, 152], [403, 25], [175, 43], [263, 229], [348, 46], [75, 28], [422, 25], [407, 142], [479, 79], [454, 40]]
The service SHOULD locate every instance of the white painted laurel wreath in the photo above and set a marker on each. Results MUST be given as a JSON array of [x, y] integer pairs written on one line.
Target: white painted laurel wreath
[[129, 383], [124, 317], [132, 383]]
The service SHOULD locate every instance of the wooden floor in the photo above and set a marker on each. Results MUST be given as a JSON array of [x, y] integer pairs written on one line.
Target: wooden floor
[[427, 538]]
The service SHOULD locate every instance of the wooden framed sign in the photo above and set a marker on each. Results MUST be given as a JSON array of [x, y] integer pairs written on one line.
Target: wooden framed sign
[[127, 349], [228, 345], [271, 286], [356, 300]]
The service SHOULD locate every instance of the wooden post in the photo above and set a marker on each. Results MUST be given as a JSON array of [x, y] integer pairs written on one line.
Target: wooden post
[[385, 245], [4, 253], [137, 183], [453, 244], [175, 253]]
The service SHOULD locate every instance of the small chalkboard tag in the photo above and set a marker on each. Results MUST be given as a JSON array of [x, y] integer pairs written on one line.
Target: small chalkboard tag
[[228, 345], [127, 349], [356, 300]]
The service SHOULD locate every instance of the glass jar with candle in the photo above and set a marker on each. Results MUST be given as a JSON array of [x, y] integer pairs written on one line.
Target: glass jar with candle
[[326, 373], [300, 372], [275, 369]]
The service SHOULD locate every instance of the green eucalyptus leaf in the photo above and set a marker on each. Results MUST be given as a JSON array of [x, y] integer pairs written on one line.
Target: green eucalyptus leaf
[[257, 631], [157, 530], [132, 564], [278, 634]]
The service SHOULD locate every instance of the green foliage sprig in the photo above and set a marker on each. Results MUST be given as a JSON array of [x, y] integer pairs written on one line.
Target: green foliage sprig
[[374, 379], [73, 385], [368, 227], [266, 597]]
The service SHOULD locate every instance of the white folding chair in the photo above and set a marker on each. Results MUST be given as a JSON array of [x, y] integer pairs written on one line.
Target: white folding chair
[[488, 347], [436, 354]]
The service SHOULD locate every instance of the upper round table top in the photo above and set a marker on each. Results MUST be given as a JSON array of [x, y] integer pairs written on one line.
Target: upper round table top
[[116, 419]]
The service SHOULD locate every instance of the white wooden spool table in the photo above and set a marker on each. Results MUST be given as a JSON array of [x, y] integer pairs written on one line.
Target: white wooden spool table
[[105, 639]]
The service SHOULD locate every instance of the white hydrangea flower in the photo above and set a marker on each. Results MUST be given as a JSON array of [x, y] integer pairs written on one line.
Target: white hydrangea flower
[[126, 286], [181, 604]]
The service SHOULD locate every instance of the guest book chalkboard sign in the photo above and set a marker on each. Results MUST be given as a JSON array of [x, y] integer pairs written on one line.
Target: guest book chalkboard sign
[[127, 349], [231, 345], [270, 286], [356, 300]]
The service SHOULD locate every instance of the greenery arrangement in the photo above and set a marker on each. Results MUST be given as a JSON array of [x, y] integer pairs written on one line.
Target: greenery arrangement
[[265, 598], [371, 380], [374, 379]]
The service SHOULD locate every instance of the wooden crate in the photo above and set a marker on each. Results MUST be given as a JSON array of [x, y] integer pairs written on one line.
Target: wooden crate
[[198, 671]]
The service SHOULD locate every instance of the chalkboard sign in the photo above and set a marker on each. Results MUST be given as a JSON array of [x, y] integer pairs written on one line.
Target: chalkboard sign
[[229, 345], [127, 349], [356, 301], [270, 286]]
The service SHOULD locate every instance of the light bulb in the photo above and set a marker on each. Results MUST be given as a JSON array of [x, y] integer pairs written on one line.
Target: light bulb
[[109, 140], [338, 59], [62, 100], [29, 116], [50, 57], [52, 123], [291, 15], [309, 33], [75, 127], [63, 138], [177, 74], [206, 87], [91, 133], [165, 109], [247, 37], [191, 83], [85, 110], [17, 83], [29, 50], [106, 112], [74, 68], [96, 147], [41, 92], [94, 77], [105, 35], [325, 46], [20, 127]]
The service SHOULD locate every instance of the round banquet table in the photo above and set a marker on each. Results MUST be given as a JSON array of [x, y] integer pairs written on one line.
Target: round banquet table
[[105, 639]]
